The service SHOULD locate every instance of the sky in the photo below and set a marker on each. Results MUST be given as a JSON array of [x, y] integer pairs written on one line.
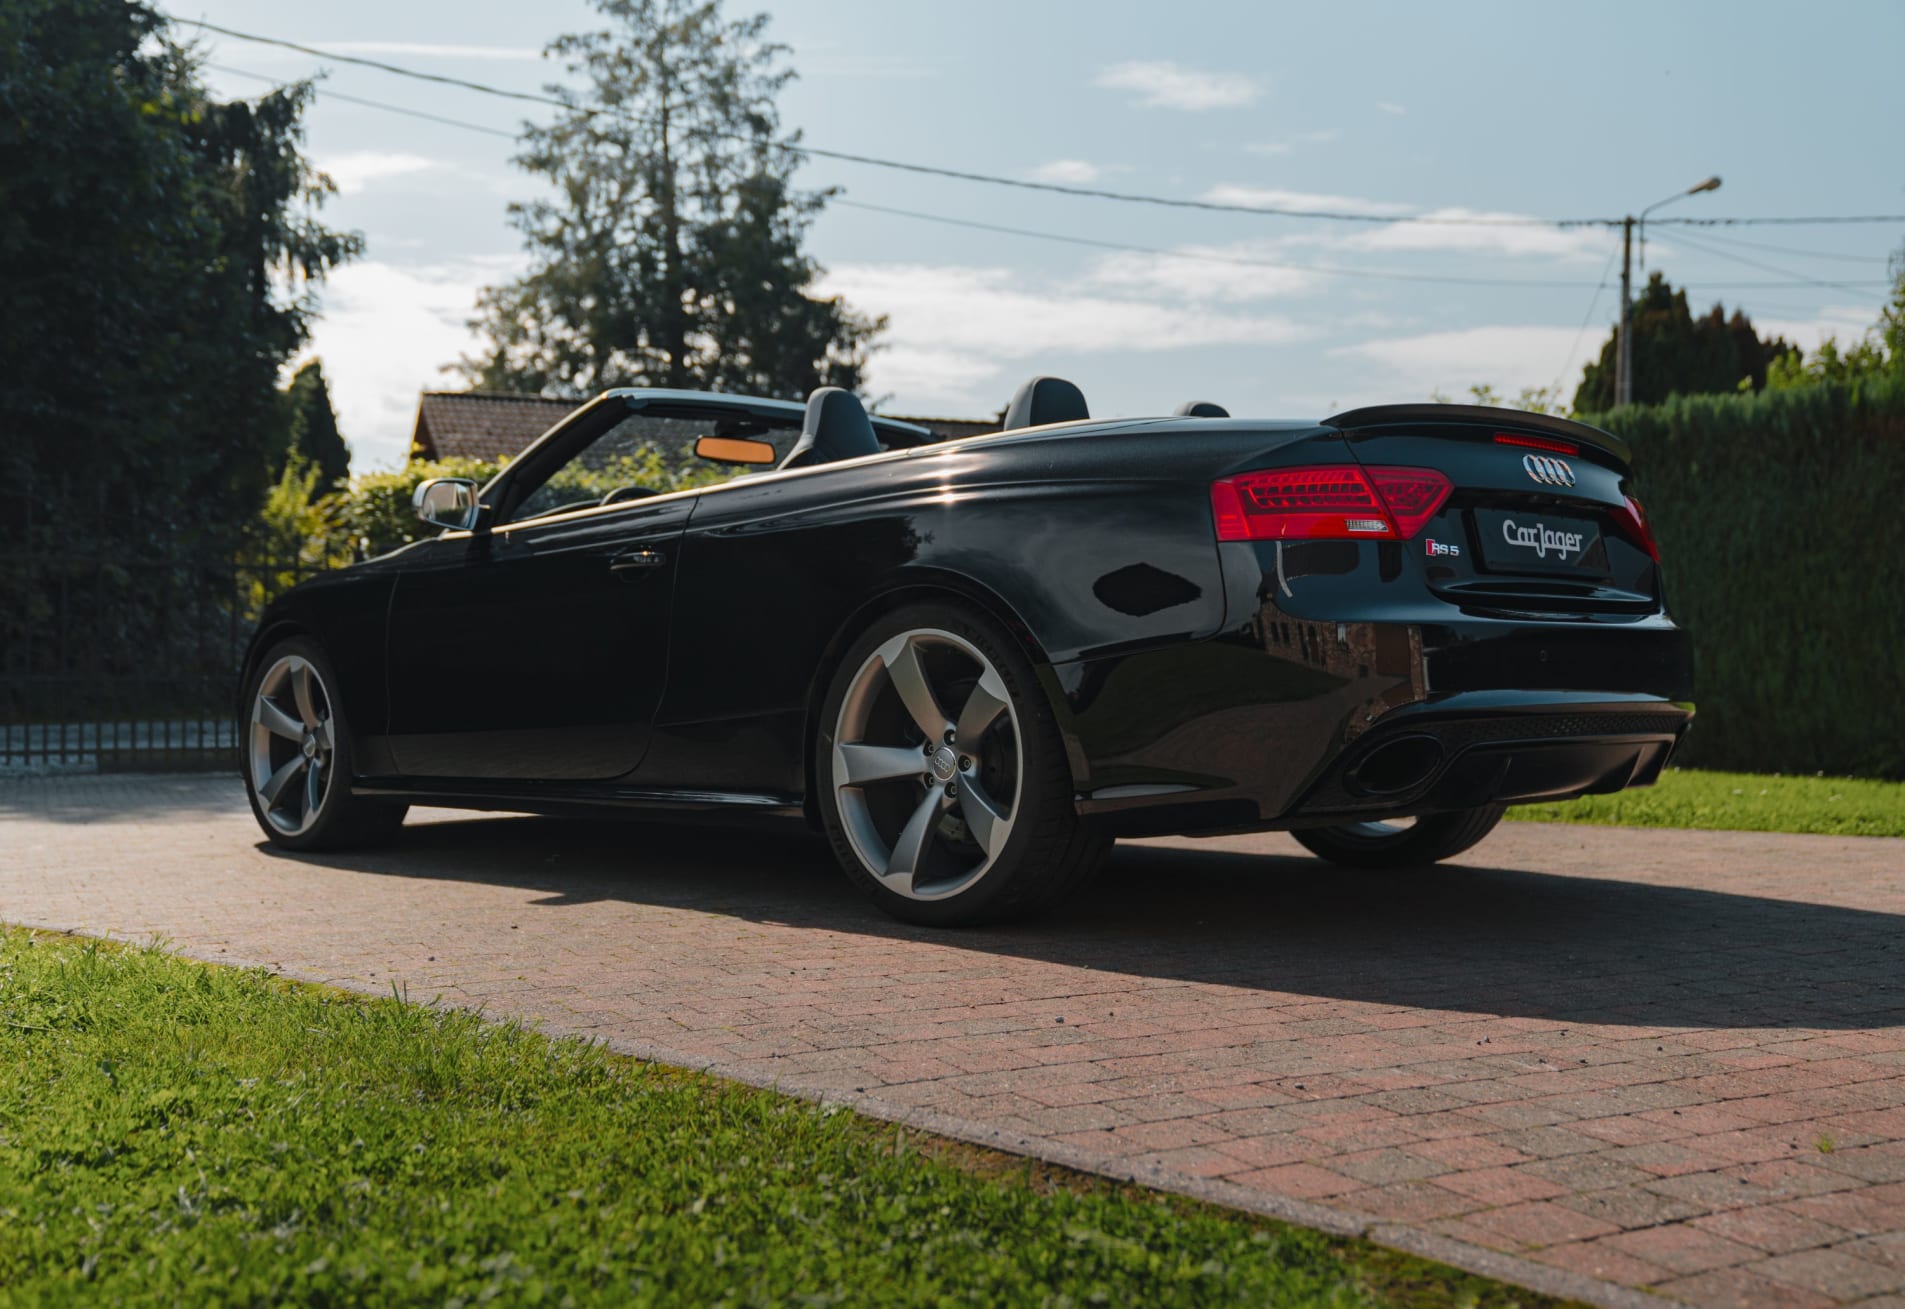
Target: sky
[[1389, 110]]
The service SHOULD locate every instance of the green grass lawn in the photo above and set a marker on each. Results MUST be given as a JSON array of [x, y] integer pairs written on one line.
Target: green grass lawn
[[1741, 802], [177, 1133]]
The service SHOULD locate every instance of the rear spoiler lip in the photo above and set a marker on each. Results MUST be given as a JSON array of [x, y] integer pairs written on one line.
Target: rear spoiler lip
[[1565, 428]]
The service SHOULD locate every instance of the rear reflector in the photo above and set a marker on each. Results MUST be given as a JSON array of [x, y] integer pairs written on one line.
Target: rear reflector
[[1634, 525], [1538, 443], [1337, 502]]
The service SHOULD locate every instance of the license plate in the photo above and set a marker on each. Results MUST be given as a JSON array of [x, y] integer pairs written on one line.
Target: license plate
[[1515, 541]]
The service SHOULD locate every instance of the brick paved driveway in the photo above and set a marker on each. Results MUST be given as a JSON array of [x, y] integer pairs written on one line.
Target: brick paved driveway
[[1673, 1060]]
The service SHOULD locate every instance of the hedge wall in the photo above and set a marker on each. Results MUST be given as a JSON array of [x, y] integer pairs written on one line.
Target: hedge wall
[[1781, 520]]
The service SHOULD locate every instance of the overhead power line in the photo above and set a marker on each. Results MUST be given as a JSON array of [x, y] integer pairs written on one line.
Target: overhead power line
[[1764, 267], [1325, 270], [1065, 238], [1791, 250], [909, 166], [1024, 184], [329, 94], [1203, 256], [1775, 222], [1561, 377]]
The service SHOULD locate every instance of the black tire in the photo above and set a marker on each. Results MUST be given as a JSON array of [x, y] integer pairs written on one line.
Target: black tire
[[1376, 845], [342, 820], [1047, 854]]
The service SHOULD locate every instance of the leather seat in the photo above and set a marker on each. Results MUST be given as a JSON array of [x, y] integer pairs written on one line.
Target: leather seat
[[1200, 409], [1045, 400], [836, 427]]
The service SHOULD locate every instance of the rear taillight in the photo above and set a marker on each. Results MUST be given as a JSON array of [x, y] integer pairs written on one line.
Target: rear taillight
[[1412, 494], [1633, 520], [1338, 502]]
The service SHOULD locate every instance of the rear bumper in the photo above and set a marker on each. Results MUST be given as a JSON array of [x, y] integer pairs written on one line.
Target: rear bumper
[[1436, 758], [1291, 722]]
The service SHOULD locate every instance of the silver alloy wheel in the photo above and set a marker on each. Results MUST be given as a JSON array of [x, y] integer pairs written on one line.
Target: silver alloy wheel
[[292, 744], [964, 772]]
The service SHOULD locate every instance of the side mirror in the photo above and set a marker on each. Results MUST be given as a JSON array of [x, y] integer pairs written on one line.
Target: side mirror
[[735, 450], [446, 502]]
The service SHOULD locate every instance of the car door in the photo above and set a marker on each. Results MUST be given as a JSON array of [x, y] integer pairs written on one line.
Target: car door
[[537, 650]]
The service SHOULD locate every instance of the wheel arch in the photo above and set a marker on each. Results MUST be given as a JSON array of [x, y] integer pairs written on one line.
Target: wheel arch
[[268, 634], [915, 588]]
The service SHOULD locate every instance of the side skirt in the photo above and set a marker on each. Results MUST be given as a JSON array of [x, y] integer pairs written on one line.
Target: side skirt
[[597, 799]]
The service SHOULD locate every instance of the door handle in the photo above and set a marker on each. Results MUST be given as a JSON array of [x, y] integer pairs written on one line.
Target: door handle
[[637, 561]]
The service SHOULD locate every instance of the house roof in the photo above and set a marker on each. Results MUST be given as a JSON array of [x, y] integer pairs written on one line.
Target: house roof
[[482, 424], [496, 425]]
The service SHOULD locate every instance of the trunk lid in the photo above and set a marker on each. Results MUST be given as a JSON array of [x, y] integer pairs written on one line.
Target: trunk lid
[[1539, 518]]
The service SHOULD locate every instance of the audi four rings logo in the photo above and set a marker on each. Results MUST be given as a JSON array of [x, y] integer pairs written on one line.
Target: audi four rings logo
[[1549, 472]]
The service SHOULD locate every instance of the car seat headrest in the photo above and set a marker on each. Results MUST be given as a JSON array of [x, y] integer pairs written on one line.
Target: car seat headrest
[[1200, 409], [1045, 400], [835, 427]]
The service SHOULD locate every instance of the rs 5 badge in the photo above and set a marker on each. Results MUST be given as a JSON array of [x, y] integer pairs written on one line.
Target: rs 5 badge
[[1435, 547]]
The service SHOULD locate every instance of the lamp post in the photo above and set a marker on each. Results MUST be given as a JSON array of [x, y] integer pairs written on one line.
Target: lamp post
[[1624, 355]]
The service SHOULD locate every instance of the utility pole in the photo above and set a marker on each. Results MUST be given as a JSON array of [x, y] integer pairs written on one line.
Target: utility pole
[[1624, 353], [1624, 356]]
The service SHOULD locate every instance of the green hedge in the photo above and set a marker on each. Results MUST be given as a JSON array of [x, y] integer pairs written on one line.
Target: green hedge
[[1779, 520]]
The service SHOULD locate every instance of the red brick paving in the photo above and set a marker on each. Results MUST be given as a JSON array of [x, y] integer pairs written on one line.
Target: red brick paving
[[1661, 1059]]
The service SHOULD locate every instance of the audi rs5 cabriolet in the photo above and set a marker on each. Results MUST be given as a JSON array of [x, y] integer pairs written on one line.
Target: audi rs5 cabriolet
[[974, 663]]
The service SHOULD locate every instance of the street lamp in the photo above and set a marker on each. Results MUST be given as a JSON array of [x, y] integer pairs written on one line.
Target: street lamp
[[1624, 356]]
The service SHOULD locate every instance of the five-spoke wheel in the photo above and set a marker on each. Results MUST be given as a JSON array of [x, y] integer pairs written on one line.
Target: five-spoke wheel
[[944, 783], [291, 745], [297, 756], [926, 764]]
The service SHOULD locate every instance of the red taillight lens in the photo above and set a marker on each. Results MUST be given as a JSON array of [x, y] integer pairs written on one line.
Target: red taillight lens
[[1538, 443], [1633, 518], [1412, 494], [1338, 502]]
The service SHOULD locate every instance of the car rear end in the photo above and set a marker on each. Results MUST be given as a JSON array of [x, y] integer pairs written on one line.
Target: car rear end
[[1479, 597]]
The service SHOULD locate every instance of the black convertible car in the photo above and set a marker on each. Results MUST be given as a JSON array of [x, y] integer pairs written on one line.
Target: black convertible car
[[974, 663]]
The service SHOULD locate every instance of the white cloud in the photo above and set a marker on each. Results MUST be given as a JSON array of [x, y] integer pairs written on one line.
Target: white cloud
[[1067, 172], [434, 50], [1205, 273], [1507, 358], [1477, 230], [1516, 236], [358, 169], [1849, 323], [1390, 107], [1308, 202], [386, 332], [1162, 84], [957, 333]]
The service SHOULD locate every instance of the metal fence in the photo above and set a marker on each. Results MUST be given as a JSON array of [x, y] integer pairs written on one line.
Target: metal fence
[[126, 665]]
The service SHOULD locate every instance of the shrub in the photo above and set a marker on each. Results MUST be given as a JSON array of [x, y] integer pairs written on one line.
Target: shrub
[[372, 515], [1778, 519]]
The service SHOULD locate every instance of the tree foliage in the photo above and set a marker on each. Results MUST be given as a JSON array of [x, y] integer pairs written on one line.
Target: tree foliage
[[311, 434], [1880, 352], [1678, 354], [157, 250], [1530, 399], [672, 252], [371, 514]]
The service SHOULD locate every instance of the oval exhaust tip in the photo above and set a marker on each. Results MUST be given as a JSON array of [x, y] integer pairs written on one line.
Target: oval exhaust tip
[[1396, 766]]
